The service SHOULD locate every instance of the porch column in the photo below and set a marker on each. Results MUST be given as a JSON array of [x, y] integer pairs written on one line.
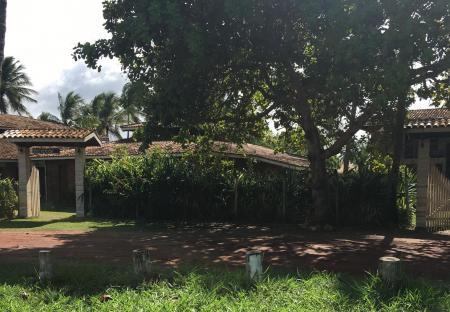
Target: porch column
[[25, 197], [423, 167], [80, 161]]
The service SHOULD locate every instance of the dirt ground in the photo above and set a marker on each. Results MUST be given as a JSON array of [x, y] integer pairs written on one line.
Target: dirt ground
[[342, 251]]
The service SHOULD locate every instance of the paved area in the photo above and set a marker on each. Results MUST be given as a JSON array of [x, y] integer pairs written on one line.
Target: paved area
[[342, 251]]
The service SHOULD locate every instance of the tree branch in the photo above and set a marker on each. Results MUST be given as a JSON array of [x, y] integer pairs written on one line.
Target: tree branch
[[431, 71], [348, 134]]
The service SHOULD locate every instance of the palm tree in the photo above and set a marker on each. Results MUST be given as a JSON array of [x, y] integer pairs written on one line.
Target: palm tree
[[3, 4], [86, 118], [106, 107], [131, 101], [14, 87], [46, 116], [69, 107]]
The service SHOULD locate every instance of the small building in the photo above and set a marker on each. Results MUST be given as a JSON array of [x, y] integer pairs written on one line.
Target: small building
[[427, 151], [48, 159]]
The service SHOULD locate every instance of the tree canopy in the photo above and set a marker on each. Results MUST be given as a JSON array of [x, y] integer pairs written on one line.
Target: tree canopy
[[227, 66]]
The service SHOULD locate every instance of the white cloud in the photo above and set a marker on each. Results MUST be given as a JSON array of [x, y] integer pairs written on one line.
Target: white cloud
[[84, 81], [42, 34]]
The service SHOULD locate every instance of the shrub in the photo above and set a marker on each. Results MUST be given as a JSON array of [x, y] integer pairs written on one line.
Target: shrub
[[8, 198], [159, 186]]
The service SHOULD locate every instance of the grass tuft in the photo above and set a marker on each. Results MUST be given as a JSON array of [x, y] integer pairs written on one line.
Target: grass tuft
[[81, 287]]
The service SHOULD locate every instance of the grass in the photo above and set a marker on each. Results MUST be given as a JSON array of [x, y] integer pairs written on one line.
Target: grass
[[79, 287], [60, 221]]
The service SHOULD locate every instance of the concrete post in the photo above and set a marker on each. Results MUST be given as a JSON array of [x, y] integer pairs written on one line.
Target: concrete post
[[25, 195], [390, 269], [253, 265], [80, 161], [45, 265], [142, 262], [423, 168]]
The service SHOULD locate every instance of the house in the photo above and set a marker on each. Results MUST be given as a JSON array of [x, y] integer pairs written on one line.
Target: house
[[48, 160], [427, 151]]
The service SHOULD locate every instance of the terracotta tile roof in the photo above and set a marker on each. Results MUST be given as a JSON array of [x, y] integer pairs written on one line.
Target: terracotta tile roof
[[428, 118], [228, 149], [8, 151], [24, 127], [46, 134], [21, 122]]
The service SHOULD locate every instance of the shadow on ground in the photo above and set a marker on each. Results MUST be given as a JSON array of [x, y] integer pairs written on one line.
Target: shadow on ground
[[284, 247]]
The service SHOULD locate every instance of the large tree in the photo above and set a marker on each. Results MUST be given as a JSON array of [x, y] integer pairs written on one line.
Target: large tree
[[15, 87], [223, 66]]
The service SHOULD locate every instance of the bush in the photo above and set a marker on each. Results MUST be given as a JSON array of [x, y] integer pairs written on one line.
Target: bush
[[8, 198], [159, 186]]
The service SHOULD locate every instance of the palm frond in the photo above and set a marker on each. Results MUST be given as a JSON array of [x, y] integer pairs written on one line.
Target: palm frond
[[15, 87]]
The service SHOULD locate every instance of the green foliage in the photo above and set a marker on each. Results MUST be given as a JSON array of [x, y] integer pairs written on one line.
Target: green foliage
[[79, 287], [361, 197], [46, 116], [407, 197], [69, 107], [15, 87], [105, 108], [8, 198], [158, 186]]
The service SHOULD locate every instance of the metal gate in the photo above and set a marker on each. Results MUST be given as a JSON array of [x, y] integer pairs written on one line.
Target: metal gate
[[438, 203]]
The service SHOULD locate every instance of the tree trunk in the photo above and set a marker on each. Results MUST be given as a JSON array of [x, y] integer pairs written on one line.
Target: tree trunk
[[3, 4], [319, 183], [398, 134], [348, 147]]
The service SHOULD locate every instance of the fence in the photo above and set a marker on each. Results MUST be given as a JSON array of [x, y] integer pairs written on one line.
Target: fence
[[438, 209]]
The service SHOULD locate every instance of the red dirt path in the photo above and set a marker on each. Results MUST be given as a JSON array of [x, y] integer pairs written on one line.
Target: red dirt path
[[344, 251]]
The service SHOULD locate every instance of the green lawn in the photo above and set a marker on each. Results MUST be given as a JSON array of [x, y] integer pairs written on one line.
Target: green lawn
[[80, 287], [58, 221]]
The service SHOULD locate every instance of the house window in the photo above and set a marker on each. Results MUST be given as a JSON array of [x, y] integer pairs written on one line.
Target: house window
[[411, 148], [435, 149]]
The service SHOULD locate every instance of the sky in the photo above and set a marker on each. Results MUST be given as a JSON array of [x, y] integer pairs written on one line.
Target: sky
[[41, 35]]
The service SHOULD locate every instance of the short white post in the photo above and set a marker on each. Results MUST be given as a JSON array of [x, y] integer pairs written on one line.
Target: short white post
[[253, 264], [390, 269], [142, 262], [45, 265]]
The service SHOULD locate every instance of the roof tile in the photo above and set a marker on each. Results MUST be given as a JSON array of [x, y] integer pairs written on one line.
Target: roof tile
[[428, 118], [46, 134]]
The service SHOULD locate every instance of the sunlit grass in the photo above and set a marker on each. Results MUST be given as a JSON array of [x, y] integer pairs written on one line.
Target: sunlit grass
[[60, 221], [80, 287]]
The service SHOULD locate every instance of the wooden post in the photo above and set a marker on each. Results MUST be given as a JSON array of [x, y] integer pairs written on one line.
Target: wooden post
[[24, 168], [45, 265], [235, 207], [253, 266], [283, 207], [390, 269], [423, 168], [142, 262], [80, 162]]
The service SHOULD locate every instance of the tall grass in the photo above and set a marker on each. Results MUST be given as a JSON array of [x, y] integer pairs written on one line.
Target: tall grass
[[80, 287]]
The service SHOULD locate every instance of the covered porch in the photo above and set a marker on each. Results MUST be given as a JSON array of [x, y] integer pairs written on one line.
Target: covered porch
[[28, 173]]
